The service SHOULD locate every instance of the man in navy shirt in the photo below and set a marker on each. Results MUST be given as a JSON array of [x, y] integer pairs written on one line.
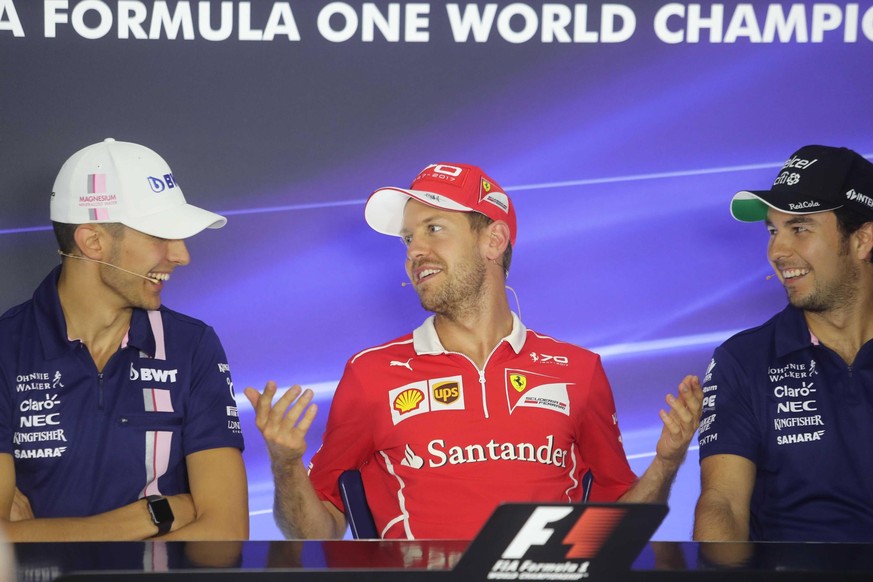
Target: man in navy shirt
[[788, 406], [117, 415]]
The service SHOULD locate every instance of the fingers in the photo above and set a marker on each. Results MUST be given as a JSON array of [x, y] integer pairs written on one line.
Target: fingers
[[267, 414], [20, 507], [284, 424], [279, 411], [684, 413], [681, 420], [691, 391]]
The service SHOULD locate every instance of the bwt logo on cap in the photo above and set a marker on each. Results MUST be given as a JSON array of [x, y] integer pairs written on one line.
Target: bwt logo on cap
[[158, 185]]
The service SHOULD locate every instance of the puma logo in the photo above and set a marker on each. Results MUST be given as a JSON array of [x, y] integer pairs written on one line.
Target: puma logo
[[402, 364]]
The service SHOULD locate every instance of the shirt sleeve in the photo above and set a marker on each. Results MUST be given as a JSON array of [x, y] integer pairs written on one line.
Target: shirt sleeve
[[600, 441], [7, 415], [212, 418], [348, 437], [728, 424]]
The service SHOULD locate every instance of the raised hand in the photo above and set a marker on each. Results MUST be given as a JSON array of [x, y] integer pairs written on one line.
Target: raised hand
[[283, 425]]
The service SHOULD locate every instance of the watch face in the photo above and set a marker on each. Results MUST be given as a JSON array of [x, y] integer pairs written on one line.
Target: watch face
[[160, 510]]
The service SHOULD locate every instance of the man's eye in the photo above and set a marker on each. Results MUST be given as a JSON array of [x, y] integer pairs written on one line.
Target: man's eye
[[434, 228], [406, 240]]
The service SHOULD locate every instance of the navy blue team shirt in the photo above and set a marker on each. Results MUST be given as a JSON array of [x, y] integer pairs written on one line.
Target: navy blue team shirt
[[85, 442], [775, 396]]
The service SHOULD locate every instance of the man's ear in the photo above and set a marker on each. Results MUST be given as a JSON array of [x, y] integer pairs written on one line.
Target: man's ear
[[862, 241], [89, 240], [498, 239]]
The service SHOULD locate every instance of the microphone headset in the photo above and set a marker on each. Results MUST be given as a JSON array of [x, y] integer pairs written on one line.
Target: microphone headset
[[151, 279]]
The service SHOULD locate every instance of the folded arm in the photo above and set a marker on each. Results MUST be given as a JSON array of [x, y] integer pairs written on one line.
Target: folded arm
[[128, 523], [216, 509], [217, 478]]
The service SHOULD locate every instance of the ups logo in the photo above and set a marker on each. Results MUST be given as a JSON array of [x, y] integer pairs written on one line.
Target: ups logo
[[446, 392]]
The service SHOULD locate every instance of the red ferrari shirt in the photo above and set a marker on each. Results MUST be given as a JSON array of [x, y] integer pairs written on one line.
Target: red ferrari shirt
[[441, 443]]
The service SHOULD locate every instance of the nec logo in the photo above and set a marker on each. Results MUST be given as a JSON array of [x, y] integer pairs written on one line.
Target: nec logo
[[158, 185], [585, 538], [152, 375]]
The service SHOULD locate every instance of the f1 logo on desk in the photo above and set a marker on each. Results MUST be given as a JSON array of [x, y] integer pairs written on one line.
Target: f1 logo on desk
[[585, 538], [560, 542]]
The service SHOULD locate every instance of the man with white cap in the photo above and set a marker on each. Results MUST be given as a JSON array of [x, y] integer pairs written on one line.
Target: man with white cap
[[117, 415], [470, 410], [788, 407]]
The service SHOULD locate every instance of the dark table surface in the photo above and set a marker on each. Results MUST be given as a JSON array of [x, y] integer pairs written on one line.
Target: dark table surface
[[417, 560]]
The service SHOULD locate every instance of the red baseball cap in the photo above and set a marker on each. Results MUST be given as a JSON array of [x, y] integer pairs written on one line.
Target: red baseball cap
[[458, 187]]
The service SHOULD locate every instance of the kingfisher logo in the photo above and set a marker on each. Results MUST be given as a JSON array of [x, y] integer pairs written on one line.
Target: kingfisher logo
[[158, 185]]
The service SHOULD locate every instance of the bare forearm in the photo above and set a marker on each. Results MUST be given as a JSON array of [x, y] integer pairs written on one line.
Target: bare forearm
[[297, 509], [230, 524], [129, 523], [715, 520], [219, 492], [655, 484]]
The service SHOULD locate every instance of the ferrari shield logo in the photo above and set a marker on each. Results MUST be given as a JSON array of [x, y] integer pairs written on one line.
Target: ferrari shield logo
[[519, 382]]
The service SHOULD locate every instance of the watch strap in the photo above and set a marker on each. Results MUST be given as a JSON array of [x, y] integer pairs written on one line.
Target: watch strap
[[160, 512]]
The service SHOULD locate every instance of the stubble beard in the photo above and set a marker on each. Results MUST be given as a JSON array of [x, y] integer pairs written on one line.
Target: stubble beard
[[832, 295], [125, 285], [461, 294]]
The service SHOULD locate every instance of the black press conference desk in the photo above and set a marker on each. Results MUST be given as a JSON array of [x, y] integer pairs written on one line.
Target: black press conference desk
[[416, 560]]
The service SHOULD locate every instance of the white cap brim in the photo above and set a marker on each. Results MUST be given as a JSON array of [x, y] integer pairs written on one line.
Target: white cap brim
[[384, 209], [175, 223]]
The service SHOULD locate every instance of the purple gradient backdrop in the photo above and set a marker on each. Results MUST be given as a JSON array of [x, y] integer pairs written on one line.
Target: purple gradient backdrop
[[621, 160]]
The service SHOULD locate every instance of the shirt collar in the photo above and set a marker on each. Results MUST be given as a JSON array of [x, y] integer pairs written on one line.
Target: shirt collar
[[792, 332], [52, 327], [425, 340]]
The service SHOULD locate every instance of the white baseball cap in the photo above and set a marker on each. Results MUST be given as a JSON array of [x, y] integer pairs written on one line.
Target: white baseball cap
[[116, 181]]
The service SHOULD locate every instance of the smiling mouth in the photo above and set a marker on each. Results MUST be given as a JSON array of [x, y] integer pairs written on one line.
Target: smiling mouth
[[788, 274], [424, 274], [159, 276]]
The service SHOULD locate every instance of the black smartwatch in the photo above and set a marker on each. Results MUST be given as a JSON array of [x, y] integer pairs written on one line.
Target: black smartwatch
[[161, 512]]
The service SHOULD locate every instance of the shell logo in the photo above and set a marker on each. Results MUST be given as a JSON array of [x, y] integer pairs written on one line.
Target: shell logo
[[408, 400]]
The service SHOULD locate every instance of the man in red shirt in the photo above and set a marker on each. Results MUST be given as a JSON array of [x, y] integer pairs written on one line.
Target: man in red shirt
[[471, 409]]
